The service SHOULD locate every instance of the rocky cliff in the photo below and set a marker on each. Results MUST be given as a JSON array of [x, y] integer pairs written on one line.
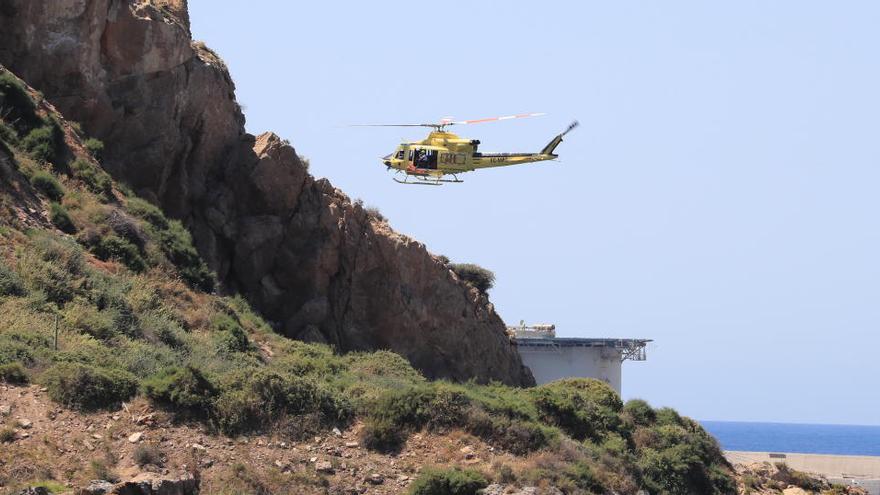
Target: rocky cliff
[[314, 262]]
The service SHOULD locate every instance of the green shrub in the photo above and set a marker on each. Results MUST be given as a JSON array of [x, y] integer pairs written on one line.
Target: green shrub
[[101, 471], [13, 373], [382, 435], [266, 396], [145, 454], [375, 213], [184, 389], [10, 283], [401, 410], [306, 163], [229, 335], [126, 227], [668, 416], [117, 248], [475, 275], [16, 105], [519, 437], [96, 180], [148, 211], [44, 143], [61, 219], [583, 477], [95, 147], [448, 482], [237, 411], [52, 265], [46, 184], [178, 247], [159, 328], [7, 435], [8, 135], [640, 412], [675, 470], [176, 243], [582, 407], [87, 387], [410, 407], [16, 349]]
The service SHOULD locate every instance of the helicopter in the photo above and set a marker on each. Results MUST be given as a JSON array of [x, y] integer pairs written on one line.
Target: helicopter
[[440, 157]]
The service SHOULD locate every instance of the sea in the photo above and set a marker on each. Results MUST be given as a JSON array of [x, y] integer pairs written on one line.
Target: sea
[[796, 438]]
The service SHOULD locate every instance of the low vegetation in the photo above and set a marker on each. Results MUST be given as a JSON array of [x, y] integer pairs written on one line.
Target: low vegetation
[[13, 373], [448, 482], [48, 185], [147, 454], [475, 275]]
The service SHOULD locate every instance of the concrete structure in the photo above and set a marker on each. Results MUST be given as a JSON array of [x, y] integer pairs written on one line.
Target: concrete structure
[[861, 471], [551, 358]]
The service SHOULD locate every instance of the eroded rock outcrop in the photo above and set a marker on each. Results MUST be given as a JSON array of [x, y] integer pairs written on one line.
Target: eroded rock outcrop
[[314, 262]]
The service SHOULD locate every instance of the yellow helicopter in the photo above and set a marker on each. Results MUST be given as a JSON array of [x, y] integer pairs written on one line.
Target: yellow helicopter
[[442, 153]]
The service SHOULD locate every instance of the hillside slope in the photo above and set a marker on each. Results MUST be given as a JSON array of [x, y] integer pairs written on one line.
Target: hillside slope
[[140, 373], [314, 264]]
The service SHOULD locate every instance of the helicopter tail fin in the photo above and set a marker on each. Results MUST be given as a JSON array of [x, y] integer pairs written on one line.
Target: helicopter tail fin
[[551, 146]]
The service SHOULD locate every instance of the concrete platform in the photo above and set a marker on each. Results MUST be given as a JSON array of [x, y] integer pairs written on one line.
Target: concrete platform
[[863, 471]]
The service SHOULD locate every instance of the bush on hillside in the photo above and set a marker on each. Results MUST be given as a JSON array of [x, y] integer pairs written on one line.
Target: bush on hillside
[[639, 412], [126, 227], [87, 319], [48, 185], [375, 213], [61, 219], [10, 283], [259, 400], [229, 335], [44, 143], [16, 105], [146, 454], [178, 247], [517, 436], [176, 243], [21, 348], [184, 389], [81, 386], [582, 407], [109, 246], [95, 147], [382, 435], [13, 373], [475, 275], [454, 481], [408, 408], [53, 266], [141, 208], [96, 180], [8, 135]]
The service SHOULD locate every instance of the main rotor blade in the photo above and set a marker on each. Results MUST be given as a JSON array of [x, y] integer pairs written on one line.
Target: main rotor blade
[[491, 119], [393, 125]]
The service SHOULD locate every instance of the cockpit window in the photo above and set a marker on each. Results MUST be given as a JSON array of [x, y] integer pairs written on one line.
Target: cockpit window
[[400, 155]]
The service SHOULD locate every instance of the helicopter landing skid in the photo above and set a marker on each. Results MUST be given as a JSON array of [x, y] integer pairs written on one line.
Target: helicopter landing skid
[[425, 181]]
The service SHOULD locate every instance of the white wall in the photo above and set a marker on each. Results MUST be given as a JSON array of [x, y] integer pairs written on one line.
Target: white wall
[[552, 363]]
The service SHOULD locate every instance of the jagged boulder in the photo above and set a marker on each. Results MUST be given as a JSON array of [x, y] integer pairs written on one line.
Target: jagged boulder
[[145, 484], [309, 258]]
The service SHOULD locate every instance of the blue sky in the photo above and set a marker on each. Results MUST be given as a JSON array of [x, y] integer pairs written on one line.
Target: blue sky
[[720, 196]]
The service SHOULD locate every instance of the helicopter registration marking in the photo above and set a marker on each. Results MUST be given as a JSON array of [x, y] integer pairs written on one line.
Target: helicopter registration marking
[[453, 158], [497, 159]]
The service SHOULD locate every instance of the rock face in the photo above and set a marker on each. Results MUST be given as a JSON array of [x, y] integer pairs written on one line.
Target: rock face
[[312, 261], [145, 484]]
